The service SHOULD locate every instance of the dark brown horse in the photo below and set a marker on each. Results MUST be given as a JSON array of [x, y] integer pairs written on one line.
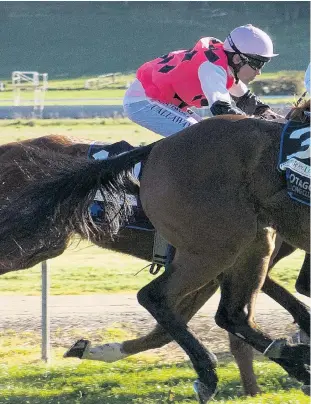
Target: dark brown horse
[[242, 352], [75, 181]]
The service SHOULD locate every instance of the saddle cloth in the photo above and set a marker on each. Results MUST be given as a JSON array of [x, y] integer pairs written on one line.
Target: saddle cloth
[[101, 151], [294, 158]]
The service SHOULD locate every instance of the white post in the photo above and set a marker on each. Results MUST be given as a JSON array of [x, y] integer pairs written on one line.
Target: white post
[[45, 352], [30, 81]]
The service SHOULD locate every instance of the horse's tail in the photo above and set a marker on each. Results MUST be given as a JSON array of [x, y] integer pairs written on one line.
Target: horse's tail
[[58, 201]]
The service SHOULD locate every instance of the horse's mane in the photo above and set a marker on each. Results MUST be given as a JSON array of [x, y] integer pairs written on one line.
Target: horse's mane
[[297, 113]]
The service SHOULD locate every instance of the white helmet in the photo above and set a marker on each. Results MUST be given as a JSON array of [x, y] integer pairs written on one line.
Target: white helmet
[[249, 40]]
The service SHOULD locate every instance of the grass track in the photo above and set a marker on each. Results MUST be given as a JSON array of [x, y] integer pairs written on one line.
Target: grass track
[[89, 269], [139, 379]]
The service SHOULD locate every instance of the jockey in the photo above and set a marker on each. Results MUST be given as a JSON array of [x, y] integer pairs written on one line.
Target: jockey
[[211, 73]]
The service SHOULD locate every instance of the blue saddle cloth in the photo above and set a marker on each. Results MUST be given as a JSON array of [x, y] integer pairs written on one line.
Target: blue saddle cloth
[[101, 151], [294, 158]]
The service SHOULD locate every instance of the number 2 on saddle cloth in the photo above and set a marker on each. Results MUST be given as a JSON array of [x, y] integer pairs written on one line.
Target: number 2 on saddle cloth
[[294, 158]]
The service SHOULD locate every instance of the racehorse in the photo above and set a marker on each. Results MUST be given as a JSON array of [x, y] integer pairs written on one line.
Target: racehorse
[[243, 353], [60, 194]]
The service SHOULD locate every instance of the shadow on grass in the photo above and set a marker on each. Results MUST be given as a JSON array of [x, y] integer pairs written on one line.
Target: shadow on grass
[[95, 398], [95, 385]]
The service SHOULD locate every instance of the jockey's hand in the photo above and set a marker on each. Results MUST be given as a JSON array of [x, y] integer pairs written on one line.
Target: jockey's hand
[[270, 115], [224, 108]]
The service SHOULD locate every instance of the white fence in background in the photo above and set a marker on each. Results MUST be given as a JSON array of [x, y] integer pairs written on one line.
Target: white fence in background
[[103, 80], [30, 81]]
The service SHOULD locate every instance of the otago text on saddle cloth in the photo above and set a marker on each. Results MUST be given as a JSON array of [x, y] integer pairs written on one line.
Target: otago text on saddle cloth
[[295, 159]]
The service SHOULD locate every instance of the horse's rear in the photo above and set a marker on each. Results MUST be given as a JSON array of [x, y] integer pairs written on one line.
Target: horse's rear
[[208, 184], [21, 163]]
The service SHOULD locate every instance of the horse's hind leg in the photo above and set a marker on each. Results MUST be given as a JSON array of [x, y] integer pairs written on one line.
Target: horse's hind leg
[[303, 281], [239, 288], [158, 337], [299, 310], [242, 352], [187, 273], [186, 309]]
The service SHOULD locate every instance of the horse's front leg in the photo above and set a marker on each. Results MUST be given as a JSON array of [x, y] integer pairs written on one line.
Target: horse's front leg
[[244, 357], [239, 288]]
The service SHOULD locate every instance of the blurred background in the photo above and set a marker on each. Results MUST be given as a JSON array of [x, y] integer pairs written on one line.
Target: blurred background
[[73, 39], [95, 48]]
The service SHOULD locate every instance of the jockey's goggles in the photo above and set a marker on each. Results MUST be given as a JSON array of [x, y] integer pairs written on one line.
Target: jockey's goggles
[[255, 62]]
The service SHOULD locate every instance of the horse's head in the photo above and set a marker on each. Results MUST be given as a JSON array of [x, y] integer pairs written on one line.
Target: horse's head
[[300, 112]]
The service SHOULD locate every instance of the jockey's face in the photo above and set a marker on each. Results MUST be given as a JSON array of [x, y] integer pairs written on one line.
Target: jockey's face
[[246, 73]]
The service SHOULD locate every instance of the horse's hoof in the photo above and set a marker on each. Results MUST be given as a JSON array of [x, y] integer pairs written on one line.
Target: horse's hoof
[[78, 349], [203, 392], [306, 389]]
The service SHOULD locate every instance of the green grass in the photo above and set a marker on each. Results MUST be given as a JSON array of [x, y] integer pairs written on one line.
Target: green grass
[[65, 94], [106, 130], [283, 74], [286, 270], [90, 270], [79, 82], [84, 269], [142, 378]]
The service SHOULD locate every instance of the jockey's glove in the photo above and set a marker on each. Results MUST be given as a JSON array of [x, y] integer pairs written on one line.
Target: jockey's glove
[[222, 107], [251, 104]]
